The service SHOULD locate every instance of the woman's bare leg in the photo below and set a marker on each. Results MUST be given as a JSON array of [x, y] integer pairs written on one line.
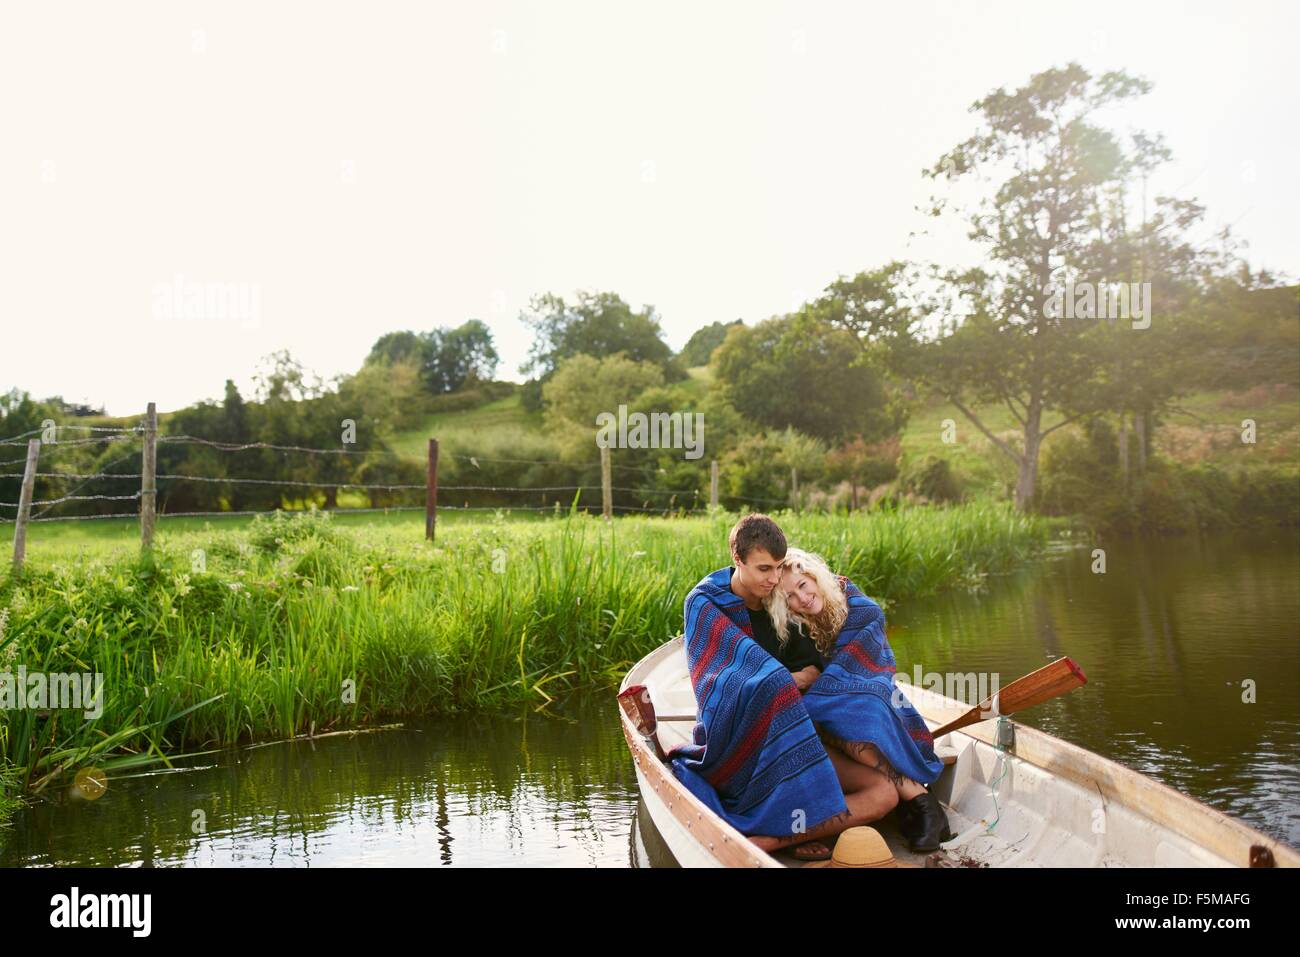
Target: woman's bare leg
[[869, 755], [868, 794]]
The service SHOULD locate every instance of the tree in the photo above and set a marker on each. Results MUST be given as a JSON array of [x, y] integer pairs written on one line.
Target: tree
[[805, 456], [800, 371], [584, 386], [19, 414], [308, 414], [699, 347], [399, 347], [448, 359], [388, 398], [457, 357], [1057, 219], [598, 324], [234, 418]]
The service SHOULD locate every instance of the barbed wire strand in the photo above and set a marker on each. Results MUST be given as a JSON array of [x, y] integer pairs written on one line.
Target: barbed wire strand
[[241, 447], [20, 439], [557, 507], [77, 498], [120, 458], [89, 476]]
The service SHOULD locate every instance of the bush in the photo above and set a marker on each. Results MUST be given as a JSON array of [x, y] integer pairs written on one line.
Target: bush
[[1080, 476], [271, 533], [865, 464], [930, 477], [755, 471], [480, 394]]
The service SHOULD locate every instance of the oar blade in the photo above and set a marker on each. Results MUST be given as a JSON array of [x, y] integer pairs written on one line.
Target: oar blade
[[1054, 679]]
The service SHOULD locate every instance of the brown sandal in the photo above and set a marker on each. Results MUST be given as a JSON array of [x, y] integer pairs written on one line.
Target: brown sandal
[[811, 851]]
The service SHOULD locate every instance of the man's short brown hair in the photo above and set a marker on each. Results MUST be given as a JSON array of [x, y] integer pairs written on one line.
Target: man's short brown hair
[[757, 531]]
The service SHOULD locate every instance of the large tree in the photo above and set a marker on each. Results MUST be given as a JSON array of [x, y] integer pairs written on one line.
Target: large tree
[[1060, 215]]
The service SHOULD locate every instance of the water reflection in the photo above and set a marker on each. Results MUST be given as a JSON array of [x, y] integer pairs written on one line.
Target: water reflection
[[481, 791]]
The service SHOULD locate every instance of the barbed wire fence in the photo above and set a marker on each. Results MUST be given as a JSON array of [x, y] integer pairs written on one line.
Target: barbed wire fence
[[145, 441]]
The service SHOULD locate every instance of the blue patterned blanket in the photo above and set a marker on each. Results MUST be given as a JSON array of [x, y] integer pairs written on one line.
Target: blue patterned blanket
[[757, 760], [855, 699]]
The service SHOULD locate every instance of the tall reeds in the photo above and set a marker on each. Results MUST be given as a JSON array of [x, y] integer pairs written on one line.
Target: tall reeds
[[294, 625]]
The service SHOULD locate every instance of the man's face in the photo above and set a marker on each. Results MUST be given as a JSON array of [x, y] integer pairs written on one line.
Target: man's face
[[759, 572]]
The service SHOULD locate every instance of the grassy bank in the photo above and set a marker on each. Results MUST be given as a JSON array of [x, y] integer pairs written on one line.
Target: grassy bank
[[295, 624]]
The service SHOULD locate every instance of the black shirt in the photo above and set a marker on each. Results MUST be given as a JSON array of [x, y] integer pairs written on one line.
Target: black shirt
[[799, 651]]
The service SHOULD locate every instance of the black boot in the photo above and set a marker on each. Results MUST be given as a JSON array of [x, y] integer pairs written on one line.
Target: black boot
[[923, 822]]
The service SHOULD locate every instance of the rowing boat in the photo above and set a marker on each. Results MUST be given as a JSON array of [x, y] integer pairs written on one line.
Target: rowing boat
[[1014, 796]]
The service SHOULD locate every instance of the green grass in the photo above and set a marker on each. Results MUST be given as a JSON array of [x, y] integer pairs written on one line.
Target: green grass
[[97, 538], [261, 638], [504, 420]]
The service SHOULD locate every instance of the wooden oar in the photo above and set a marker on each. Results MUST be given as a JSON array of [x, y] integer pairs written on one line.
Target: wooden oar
[[1060, 676]]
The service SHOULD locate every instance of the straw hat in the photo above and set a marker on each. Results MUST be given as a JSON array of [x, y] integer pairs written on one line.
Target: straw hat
[[861, 847]]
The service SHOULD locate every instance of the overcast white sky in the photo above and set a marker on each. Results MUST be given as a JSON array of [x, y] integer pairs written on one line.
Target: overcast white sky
[[379, 166]]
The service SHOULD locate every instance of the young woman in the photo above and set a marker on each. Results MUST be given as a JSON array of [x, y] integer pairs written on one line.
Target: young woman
[[857, 709]]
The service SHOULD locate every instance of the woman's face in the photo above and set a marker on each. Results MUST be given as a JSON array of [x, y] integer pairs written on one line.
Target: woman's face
[[801, 593]]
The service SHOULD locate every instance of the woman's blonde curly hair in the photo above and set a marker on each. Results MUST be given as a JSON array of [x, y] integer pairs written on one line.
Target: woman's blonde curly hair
[[825, 626]]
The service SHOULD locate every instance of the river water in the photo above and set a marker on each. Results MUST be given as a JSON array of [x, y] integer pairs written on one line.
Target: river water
[[1176, 637]]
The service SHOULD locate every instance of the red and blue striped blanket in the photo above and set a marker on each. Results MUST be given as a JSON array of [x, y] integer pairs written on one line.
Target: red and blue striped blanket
[[757, 760], [856, 699]]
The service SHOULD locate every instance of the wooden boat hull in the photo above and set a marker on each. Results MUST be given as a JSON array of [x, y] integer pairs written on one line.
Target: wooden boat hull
[[1042, 802]]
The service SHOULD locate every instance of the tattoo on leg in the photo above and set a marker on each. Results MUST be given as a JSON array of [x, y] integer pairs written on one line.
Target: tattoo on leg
[[866, 753]]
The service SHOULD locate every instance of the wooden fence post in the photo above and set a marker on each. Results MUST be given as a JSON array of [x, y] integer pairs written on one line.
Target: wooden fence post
[[794, 487], [713, 484], [148, 478], [431, 491], [606, 484], [25, 503]]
